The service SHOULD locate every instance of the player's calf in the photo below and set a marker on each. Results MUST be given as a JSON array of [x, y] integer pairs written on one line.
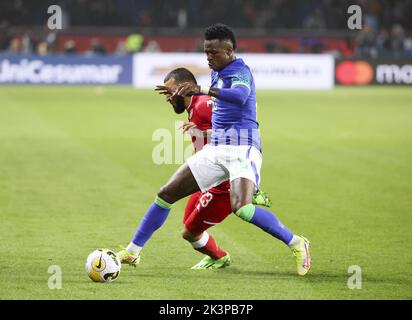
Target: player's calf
[[206, 244]]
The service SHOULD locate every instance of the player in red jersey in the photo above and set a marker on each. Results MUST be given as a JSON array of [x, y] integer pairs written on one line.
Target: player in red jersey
[[203, 210]]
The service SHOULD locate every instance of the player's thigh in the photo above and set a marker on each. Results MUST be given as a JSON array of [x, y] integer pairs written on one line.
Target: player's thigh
[[241, 192], [244, 170], [206, 171], [240, 162], [211, 209], [181, 184]]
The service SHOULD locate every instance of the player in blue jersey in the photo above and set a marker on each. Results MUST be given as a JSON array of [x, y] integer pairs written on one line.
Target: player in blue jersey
[[234, 152]]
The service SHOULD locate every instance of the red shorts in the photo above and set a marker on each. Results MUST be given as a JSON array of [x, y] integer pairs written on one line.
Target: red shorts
[[204, 210]]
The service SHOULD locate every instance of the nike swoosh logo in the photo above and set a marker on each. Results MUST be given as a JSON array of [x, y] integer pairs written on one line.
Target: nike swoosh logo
[[100, 263]]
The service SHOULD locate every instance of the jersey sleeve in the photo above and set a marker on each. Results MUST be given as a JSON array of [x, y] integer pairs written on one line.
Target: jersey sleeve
[[241, 78]]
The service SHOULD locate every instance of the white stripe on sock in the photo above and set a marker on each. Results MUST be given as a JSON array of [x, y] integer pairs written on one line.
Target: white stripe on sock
[[295, 240], [133, 248], [201, 242]]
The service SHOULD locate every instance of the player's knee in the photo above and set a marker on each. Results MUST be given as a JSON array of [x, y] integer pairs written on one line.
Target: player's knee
[[166, 195], [239, 201], [187, 235], [237, 204]]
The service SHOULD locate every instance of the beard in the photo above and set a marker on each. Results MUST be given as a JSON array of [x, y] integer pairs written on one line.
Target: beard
[[179, 105]]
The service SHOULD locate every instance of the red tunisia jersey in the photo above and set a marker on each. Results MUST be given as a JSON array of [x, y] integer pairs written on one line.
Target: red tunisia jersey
[[200, 113]]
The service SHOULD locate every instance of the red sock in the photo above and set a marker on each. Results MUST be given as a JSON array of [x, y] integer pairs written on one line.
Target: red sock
[[212, 249]]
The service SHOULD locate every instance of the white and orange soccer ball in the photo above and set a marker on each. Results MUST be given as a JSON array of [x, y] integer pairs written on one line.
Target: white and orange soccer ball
[[103, 265]]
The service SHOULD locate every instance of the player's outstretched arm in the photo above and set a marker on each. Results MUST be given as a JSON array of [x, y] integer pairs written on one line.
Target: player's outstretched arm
[[236, 95]]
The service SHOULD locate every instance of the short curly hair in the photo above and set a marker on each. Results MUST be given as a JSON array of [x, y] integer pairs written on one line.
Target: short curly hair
[[221, 32], [181, 75]]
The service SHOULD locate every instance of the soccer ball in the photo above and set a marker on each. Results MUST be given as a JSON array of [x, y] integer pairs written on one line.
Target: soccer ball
[[103, 265]]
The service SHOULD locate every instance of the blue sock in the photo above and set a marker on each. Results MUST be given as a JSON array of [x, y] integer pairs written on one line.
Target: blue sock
[[152, 220], [268, 222]]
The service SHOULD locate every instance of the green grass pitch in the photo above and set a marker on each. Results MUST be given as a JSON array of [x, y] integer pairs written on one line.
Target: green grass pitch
[[76, 173]]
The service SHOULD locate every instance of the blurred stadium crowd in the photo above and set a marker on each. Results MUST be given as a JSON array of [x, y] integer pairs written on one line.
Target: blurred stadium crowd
[[386, 32]]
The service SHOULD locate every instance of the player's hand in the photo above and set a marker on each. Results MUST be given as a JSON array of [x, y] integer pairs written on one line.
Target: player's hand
[[168, 92], [186, 89], [187, 126], [164, 90], [192, 129]]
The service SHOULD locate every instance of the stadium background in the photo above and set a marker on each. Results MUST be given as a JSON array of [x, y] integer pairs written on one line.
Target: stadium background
[[76, 124]]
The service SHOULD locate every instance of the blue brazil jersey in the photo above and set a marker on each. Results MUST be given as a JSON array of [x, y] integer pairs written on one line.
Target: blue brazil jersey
[[233, 123]]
